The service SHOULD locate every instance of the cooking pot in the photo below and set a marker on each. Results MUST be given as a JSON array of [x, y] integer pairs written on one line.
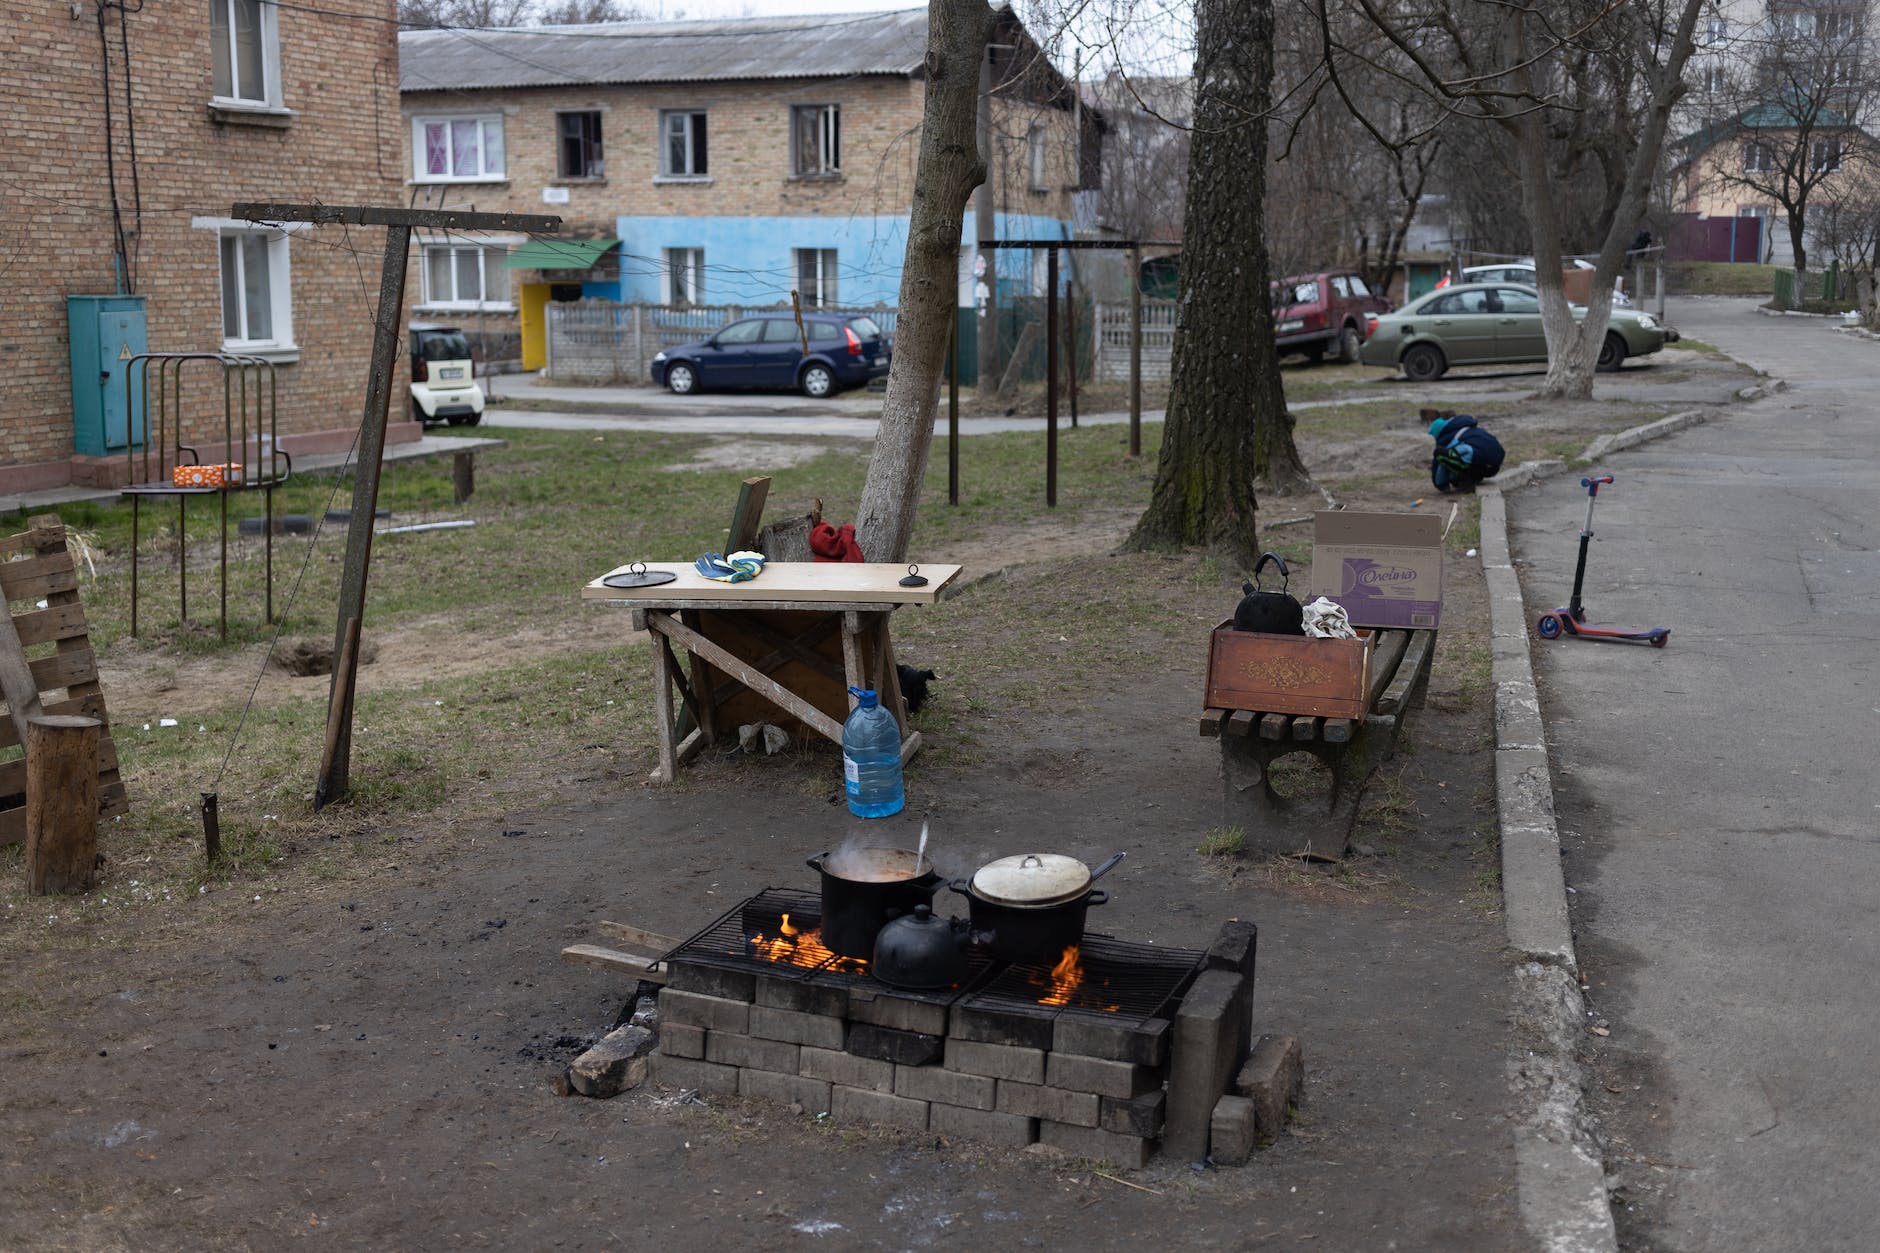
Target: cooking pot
[[1031, 908], [864, 888], [1275, 613], [921, 952]]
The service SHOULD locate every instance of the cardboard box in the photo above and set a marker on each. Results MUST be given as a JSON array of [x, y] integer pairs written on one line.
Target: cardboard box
[[206, 476], [1386, 569], [1288, 674]]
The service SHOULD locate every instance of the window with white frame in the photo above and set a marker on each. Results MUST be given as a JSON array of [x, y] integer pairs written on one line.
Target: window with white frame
[[457, 149], [1824, 155], [1836, 25], [578, 147], [1716, 32], [1715, 79], [682, 146], [1035, 141], [1758, 158], [245, 50], [816, 276], [465, 275], [257, 308], [685, 276], [816, 140]]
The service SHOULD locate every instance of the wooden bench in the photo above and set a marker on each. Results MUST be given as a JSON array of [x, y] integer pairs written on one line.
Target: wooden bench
[[1351, 748]]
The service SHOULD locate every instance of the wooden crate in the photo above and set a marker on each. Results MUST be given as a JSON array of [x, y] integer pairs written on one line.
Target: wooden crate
[[36, 566], [1289, 674]]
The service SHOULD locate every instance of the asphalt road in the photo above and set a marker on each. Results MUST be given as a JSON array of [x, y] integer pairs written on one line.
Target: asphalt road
[[1717, 799]]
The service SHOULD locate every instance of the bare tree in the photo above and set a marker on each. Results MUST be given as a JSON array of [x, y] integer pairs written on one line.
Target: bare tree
[[485, 14], [1145, 153], [1590, 81], [949, 166], [1791, 134], [1227, 429]]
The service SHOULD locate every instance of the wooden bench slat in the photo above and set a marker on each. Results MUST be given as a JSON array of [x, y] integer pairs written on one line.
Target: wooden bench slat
[[1338, 730], [1240, 722], [1275, 726], [1416, 656], [1385, 656], [1306, 729], [1211, 720], [613, 959]]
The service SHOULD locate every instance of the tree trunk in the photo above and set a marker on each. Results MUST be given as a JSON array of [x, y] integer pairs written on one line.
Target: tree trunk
[[1800, 295], [1227, 427], [950, 166]]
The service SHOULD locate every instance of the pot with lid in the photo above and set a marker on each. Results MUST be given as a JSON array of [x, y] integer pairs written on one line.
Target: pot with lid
[[863, 889], [1032, 907]]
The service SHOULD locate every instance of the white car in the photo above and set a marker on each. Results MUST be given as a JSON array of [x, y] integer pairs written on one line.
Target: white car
[[443, 376], [1523, 272]]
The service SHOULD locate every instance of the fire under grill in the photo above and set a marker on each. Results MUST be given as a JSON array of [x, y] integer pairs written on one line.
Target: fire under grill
[[775, 934], [1114, 1052]]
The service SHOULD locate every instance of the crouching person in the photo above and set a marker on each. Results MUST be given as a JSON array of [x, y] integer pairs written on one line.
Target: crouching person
[[1465, 454]]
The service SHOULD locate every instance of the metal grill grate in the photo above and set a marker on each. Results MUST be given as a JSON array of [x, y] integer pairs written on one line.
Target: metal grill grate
[[1135, 982]]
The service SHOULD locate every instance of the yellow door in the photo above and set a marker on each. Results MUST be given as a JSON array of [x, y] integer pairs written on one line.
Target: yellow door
[[534, 325]]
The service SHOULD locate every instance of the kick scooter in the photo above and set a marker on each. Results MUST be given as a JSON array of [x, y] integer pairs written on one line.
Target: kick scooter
[[1572, 620]]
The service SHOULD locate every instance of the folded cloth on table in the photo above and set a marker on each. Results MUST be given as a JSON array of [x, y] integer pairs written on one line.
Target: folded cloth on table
[[737, 568], [1326, 619], [828, 543]]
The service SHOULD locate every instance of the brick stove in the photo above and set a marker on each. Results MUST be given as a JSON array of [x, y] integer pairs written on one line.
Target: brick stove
[[1131, 1047]]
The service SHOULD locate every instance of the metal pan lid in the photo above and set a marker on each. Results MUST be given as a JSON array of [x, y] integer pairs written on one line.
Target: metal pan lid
[[1032, 879]]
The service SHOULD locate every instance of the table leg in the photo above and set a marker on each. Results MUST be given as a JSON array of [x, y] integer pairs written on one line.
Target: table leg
[[704, 680], [887, 678], [668, 768], [854, 667]]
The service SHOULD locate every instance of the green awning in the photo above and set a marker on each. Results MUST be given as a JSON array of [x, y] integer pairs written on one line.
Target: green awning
[[559, 254]]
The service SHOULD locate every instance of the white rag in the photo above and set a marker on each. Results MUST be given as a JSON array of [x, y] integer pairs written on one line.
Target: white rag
[[1326, 619]]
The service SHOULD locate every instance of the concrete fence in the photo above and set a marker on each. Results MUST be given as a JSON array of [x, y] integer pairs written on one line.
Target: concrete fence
[[1112, 340]]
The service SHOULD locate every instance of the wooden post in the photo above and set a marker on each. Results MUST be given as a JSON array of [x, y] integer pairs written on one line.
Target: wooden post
[[463, 476], [1050, 377], [953, 413], [1135, 352], [1070, 335], [61, 803]]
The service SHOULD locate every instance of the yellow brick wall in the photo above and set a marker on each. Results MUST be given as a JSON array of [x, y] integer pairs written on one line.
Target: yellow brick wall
[[343, 147]]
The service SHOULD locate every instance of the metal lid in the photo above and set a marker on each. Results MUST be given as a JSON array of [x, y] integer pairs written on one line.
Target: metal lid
[[1032, 879]]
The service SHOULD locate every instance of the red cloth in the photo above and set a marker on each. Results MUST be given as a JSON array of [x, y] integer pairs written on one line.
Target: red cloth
[[828, 543]]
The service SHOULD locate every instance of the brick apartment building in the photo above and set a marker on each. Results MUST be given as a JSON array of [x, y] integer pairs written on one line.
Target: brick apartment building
[[710, 162], [129, 133]]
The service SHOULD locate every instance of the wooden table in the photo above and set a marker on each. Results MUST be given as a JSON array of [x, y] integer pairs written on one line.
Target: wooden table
[[786, 645]]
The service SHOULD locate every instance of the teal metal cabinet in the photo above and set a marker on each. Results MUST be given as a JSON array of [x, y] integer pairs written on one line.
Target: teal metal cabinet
[[106, 332]]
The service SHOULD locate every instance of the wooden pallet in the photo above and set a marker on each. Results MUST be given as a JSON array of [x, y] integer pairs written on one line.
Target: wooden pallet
[[35, 565]]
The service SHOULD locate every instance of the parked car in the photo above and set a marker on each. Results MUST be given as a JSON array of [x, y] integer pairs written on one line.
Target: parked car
[[1492, 324], [443, 377], [1325, 312], [1523, 272], [845, 350]]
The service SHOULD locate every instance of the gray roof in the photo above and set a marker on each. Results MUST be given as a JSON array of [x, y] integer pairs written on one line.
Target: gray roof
[[663, 52]]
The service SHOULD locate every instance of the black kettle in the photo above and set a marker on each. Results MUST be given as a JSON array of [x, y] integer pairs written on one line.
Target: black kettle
[[1273, 613], [920, 952]]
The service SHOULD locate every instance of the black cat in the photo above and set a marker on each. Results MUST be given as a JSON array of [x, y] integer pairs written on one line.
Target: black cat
[[914, 685]]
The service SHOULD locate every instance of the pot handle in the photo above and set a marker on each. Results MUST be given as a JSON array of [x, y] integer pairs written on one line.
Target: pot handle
[[1107, 866], [961, 886], [1097, 897], [816, 863]]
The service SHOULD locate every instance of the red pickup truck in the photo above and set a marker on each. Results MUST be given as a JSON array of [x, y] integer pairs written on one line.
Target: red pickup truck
[[1318, 313]]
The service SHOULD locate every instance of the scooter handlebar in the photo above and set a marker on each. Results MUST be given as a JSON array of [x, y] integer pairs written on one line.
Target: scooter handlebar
[[1592, 485]]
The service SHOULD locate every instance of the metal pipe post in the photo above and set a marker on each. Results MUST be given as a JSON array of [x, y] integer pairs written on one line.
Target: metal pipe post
[[953, 412], [1050, 377], [1135, 352]]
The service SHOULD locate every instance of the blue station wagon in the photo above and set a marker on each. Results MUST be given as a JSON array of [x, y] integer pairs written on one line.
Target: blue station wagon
[[845, 350]]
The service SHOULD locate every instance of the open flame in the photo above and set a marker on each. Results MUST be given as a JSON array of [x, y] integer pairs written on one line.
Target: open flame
[[1065, 979], [793, 946]]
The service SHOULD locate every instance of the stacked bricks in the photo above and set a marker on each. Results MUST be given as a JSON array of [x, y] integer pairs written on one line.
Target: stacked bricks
[[1089, 1084]]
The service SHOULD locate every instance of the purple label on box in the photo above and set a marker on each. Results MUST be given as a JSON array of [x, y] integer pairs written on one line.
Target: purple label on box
[[1378, 593]]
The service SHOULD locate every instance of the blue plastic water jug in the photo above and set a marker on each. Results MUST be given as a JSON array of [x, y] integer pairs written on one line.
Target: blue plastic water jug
[[871, 758]]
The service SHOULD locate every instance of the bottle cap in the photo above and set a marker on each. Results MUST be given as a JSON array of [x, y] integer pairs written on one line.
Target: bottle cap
[[865, 698]]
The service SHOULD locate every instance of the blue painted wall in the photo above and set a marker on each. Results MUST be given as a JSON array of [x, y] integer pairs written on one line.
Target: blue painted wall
[[752, 260]]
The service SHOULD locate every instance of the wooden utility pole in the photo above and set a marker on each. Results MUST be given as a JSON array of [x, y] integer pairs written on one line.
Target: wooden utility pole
[[398, 223]]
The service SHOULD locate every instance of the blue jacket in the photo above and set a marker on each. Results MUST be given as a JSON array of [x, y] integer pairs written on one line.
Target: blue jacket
[[1465, 453]]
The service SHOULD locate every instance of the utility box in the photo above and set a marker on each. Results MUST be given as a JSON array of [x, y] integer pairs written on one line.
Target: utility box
[[105, 332]]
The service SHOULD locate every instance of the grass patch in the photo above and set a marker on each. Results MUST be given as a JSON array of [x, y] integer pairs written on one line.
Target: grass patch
[[1720, 278], [1223, 842]]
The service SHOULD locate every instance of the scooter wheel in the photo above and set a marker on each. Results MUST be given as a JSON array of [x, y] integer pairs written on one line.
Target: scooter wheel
[[1659, 641], [1548, 627]]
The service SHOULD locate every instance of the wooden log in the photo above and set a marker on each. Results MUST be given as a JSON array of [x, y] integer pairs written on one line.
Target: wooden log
[[1275, 726], [752, 495], [1211, 720], [17, 683], [1338, 730], [61, 803], [1305, 729], [668, 768], [1240, 723], [1415, 659]]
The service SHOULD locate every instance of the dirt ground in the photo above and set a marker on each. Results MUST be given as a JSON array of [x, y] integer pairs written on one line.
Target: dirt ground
[[365, 1059]]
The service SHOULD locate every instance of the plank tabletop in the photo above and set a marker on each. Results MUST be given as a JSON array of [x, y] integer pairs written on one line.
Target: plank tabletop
[[824, 581]]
